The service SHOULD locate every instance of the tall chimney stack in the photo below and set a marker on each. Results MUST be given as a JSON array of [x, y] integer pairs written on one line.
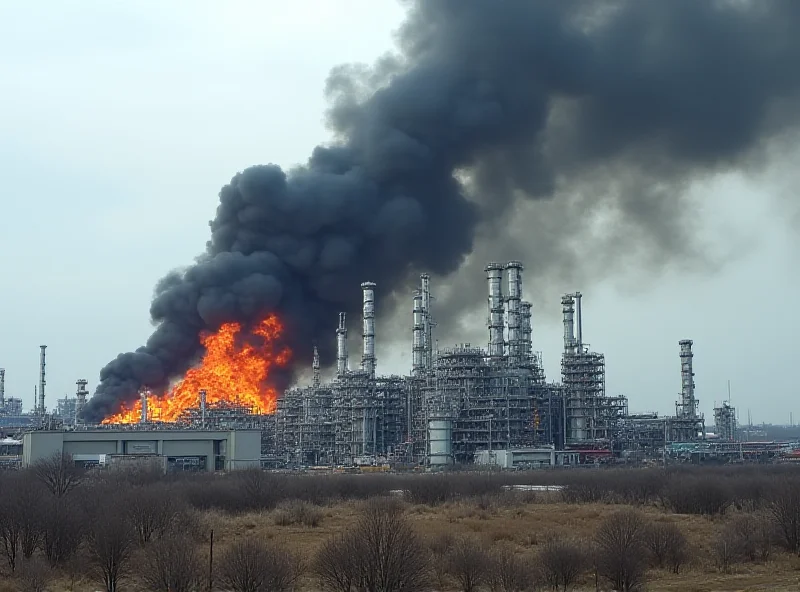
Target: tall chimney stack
[[494, 276], [568, 309], [2, 387], [514, 312], [368, 350], [143, 395], [427, 320], [41, 378], [341, 345], [418, 345], [579, 319]]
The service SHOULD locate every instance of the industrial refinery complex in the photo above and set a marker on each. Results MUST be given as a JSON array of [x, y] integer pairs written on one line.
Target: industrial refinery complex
[[461, 405]]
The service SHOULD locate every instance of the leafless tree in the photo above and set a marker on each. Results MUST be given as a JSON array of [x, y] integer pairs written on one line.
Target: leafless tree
[[35, 575], [172, 564], [63, 524], [561, 562], [724, 551], [383, 554], [58, 473], [20, 516], [784, 506], [621, 553], [667, 545], [750, 537], [111, 542], [509, 573], [252, 565], [468, 564], [152, 511]]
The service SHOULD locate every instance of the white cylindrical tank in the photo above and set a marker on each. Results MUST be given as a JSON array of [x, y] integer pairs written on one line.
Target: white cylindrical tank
[[440, 441]]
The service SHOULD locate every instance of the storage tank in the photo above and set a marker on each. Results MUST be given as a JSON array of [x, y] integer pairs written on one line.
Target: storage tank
[[440, 441]]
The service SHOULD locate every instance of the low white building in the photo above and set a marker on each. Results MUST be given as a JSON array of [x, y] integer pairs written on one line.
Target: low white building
[[527, 458]]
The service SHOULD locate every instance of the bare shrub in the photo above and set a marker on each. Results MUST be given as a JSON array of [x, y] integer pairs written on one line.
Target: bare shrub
[[35, 576], [298, 512], [696, 495], [561, 563], [20, 516], [58, 473], [252, 565], [152, 510], [172, 564], [509, 573], [621, 554], [724, 552], [259, 490], [111, 542], [380, 553], [468, 564], [667, 545], [430, 489], [750, 537], [62, 528], [784, 507]]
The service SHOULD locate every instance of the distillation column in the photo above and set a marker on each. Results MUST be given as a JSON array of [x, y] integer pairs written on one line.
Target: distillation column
[[315, 368], [143, 395], [527, 331], [579, 320], [494, 276], [41, 379], [341, 345], [687, 408], [568, 309], [80, 396], [514, 313], [368, 351], [418, 336], [428, 319], [2, 387]]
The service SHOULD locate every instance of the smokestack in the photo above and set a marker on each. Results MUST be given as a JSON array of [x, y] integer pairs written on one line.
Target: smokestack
[[143, 396], [688, 405], [579, 319], [80, 395], [41, 378], [418, 345], [341, 345], [315, 368], [494, 276], [514, 312], [527, 331], [428, 320], [368, 351], [568, 309], [2, 387]]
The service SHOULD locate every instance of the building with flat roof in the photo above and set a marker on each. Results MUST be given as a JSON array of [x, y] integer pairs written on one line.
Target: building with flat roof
[[200, 450]]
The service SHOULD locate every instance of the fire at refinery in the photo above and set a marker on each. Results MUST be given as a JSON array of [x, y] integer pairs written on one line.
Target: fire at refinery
[[234, 369]]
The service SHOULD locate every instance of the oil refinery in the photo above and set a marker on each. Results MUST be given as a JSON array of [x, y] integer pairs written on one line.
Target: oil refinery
[[458, 405]]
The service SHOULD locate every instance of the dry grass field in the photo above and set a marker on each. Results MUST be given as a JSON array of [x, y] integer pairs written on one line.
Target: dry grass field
[[523, 527]]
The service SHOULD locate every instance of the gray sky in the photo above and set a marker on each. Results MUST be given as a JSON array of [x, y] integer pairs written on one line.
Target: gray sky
[[119, 123]]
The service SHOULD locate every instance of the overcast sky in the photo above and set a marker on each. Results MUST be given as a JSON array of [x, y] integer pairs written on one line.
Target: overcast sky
[[119, 123]]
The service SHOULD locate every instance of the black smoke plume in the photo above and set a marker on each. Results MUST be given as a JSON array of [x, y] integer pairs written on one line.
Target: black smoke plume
[[489, 106]]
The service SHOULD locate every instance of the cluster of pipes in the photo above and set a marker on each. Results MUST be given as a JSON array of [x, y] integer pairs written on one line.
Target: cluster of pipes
[[368, 360], [510, 311]]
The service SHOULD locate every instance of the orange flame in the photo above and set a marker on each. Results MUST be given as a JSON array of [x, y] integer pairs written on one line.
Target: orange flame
[[229, 372]]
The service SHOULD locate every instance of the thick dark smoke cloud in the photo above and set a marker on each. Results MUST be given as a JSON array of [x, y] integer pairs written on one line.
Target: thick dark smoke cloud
[[535, 116]]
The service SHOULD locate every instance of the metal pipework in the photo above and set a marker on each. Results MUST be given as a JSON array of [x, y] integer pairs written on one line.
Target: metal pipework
[[527, 331], [42, 381], [494, 277], [368, 335], [514, 312], [315, 368], [2, 387], [568, 309], [418, 335], [425, 287], [341, 345], [688, 405]]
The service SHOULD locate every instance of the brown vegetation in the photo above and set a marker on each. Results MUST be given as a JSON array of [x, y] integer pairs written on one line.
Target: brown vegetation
[[463, 531]]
